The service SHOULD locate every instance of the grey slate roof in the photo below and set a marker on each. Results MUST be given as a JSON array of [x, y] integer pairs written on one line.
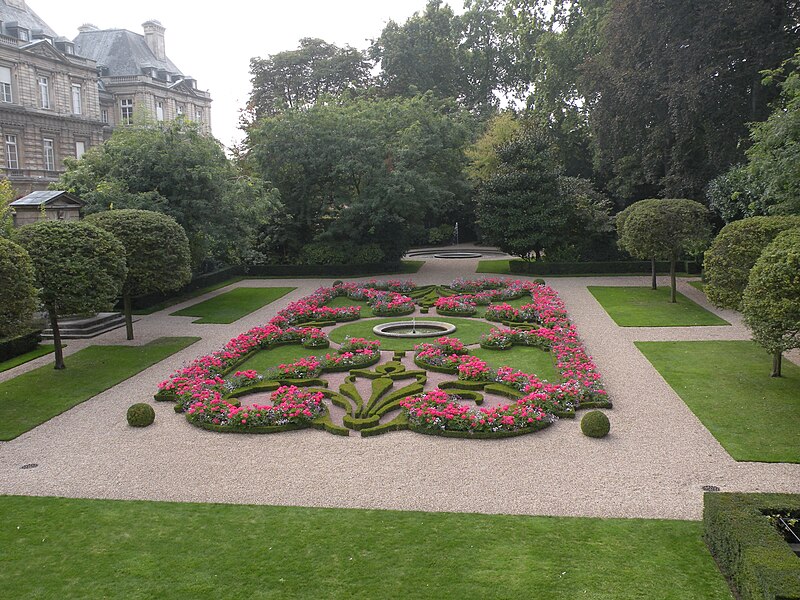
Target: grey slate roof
[[24, 18], [47, 197], [121, 51]]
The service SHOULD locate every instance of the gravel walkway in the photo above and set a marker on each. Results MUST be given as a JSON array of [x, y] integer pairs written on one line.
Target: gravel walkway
[[643, 469]]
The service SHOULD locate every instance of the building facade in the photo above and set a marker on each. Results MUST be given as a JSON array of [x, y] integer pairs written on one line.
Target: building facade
[[49, 100], [58, 97]]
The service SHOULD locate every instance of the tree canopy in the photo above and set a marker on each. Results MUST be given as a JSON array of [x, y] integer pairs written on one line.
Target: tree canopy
[[733, 253], [156, 252], [79, 268], [771, 301], [664, 229], [18, 296]]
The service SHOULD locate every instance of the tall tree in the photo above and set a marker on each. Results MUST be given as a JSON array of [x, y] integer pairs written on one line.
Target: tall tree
[[79, 268], [299, 78], [675, 84], [422, 54], [771, 302], [156, 253], [520, 209]]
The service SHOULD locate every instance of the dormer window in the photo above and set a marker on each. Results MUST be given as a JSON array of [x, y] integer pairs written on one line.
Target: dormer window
[[23, 34]]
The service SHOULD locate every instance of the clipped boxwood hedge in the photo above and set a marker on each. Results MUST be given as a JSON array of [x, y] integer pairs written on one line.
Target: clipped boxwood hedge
[[749, 550], [583, 268], [15, 346]]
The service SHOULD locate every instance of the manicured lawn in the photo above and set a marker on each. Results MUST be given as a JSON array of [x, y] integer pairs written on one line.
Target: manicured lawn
[[232, 306], [341, 302], [187, 296], [468, 331], [528, 360], [698, 285], [727, 385], [499, 267], [40, 350], [72, 548], [266, 359], [644, 307], [34, 397]]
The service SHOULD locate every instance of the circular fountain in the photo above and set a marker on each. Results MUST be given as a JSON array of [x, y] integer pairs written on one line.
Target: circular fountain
[[413, 329]]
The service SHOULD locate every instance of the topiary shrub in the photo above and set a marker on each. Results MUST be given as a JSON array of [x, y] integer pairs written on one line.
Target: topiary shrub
[[141, 414], [595, 424], [17, 290]]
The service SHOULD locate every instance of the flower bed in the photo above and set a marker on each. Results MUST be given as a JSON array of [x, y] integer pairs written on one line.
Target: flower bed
[[203, 392], [456, 306]]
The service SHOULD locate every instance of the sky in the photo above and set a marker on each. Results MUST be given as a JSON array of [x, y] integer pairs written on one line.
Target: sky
[[214, 41]]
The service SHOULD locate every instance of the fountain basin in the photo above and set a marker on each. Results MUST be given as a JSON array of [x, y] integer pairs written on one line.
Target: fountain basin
[[414, 329]]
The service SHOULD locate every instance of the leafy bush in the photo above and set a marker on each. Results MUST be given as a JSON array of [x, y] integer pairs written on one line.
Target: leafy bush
[[595, 424], [736, 194], [17, 291], [141, 414], [441, 235], [734, 252]]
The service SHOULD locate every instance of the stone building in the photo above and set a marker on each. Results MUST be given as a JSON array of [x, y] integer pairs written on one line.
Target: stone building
[[137, 77], [58, 98], [49, 99], [46, 205]]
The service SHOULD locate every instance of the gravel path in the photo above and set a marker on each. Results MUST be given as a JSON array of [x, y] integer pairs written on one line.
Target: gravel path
[[643, 469]]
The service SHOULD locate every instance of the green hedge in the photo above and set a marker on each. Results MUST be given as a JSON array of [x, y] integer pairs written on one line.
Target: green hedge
[[749, 550], [15, 346], [324, 270], [481, 435], [599, 268]]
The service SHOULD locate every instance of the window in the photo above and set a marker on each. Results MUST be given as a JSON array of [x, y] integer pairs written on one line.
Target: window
[[44, 92], [104, 115], [179, 109], [198, 115], [5, 85], [159, 110], [80, 148], [23, 34], [49, 155], [12, 157], [76, 99], [126, 105]]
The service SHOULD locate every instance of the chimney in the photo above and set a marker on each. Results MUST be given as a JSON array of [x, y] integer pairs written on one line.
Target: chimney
[[154, 36], [87, 27]]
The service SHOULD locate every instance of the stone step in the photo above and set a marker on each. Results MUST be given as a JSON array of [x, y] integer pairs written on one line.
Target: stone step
[[87, 327]]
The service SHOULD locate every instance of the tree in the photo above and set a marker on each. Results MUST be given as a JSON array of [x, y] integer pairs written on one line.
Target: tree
[[170, 168], [156, 253], [771, 301], [733, 253], [665, 229], [297, 79], [422, 54], [482, 155], [589, 234], [674, 85], [619, 220], [17, 292], [775, 153], [736, 194], [372, 171], [520, 209], [7, 195], [79, 268]]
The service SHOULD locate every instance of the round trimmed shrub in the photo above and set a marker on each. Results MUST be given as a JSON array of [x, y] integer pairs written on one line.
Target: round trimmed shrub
[[17, 291], [141, 415], [595, 424]]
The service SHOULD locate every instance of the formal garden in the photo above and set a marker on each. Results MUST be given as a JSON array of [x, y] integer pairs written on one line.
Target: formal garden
[[506, 305]]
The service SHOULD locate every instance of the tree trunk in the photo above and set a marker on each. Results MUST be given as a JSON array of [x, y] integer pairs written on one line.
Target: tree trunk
[[777, 359], [51, 311], [653, 269], [126, 307], [672, 293]]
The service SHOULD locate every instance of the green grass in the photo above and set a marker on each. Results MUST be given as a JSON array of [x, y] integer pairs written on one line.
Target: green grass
[[727, 385], [499, 267], [40, 350], [266, 359], [341, 301], [187, 296], [698, 285], [34, 397], [644, 307], [74, 548], [232, 306], [468, 331], [523, 358]]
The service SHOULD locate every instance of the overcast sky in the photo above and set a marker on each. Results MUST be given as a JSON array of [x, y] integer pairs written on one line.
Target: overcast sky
[[214, 41]]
